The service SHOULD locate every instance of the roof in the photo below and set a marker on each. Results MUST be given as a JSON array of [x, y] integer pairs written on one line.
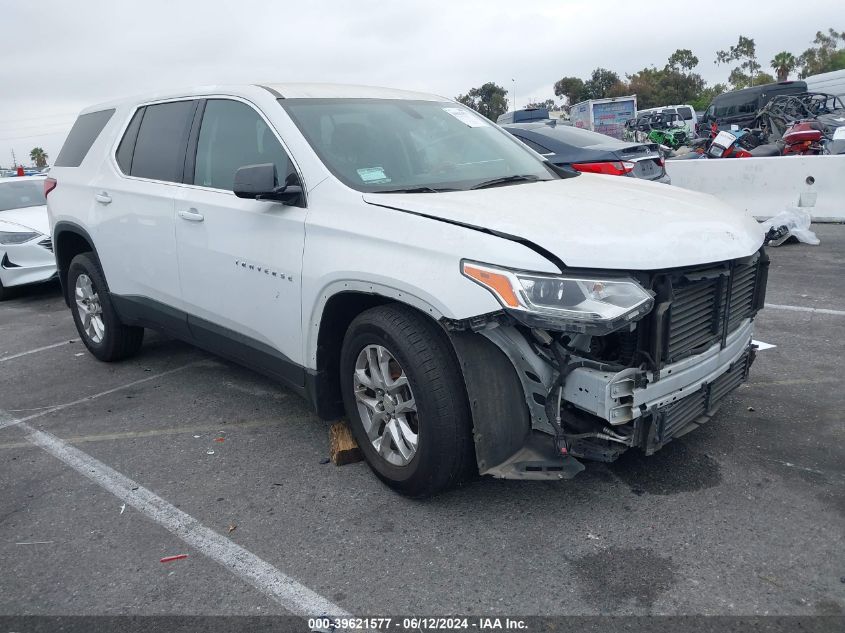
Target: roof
[[345, 91], [285, 90]]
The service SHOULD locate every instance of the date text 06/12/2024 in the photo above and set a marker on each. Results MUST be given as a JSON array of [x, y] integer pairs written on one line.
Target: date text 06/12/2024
[[327, 624]]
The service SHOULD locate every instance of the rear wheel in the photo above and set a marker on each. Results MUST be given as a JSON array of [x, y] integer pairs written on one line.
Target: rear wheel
[[4, 292], [96, 321], [405, 400]]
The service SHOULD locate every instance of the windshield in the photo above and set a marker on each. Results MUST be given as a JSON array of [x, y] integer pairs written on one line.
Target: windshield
[[17, 194], [390, 144]]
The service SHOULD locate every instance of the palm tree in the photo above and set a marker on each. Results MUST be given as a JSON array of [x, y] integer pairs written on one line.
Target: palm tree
[[39, 157], [784, 63]]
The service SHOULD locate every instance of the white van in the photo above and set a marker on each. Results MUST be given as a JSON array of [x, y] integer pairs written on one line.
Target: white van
[[401, 261], [832, 83], [686, 112]]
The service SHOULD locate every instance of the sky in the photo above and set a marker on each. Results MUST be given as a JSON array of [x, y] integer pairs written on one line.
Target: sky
[[59, 57]]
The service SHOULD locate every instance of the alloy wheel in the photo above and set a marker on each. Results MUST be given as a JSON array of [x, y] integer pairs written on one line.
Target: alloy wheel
[[386, 405], [89, 308]]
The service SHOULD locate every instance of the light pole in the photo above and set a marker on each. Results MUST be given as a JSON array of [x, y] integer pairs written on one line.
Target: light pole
[[513, 82]]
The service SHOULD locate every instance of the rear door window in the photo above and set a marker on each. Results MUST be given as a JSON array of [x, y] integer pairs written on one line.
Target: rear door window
[[162, 141], [234, 135], [81, 137]]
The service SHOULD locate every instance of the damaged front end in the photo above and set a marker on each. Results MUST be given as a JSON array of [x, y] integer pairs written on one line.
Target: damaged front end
[[653, 370]]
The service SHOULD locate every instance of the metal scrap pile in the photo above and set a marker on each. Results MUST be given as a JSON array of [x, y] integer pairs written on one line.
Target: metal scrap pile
[[777, 116]]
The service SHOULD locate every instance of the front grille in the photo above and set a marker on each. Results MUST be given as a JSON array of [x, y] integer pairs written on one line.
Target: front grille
[[698, 308], [47, 243], [674, 418]]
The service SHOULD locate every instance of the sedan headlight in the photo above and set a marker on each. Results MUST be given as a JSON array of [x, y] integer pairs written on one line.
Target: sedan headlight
[[17, 237], [578, 303]]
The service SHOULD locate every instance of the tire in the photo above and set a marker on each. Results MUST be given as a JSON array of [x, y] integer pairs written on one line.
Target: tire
[[112, 340], [5, 293], [444, 454]]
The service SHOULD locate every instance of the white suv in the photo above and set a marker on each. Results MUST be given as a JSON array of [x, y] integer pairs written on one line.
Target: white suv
[[397, 258]]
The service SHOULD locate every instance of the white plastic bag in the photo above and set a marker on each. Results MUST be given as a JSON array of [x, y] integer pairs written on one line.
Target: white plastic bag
[[797, 221]]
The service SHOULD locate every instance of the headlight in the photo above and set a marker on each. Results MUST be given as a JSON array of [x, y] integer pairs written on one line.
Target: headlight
[[593, 305], [17, 237]]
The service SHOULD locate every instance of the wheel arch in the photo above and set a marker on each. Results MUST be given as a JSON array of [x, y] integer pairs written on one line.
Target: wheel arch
[[326, 329], [69, 240]]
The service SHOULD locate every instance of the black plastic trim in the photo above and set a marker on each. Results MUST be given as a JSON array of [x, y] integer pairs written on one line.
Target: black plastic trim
[[188, 169], [145, 312], [61, 227]]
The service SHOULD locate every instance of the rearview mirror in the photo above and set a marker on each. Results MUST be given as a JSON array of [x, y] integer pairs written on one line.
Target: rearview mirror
[[260, 182]]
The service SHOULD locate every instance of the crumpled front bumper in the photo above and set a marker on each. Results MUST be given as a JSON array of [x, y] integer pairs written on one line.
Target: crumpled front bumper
[[624, 396], [649, 409]]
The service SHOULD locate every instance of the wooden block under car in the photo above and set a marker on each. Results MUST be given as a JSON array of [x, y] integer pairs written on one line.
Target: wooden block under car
[[343, 449]]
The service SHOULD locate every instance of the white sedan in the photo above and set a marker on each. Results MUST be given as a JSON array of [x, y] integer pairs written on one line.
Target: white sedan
[[26, 250]]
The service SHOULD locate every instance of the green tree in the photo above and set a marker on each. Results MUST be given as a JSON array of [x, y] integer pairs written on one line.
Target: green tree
[[549, 104], [827, 55], [744, 52], [784, 63], [706, 96], [682, 60], [603, 83], [39, 157], [667, 86], [489, 100], [571, 88]]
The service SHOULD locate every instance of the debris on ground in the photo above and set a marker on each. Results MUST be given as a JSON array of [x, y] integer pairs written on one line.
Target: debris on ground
[[123, 508], [751, 408], [325, 460], [170, 559], [219, 439], [209, 452], [789, 224], [343, 449], [232, 528]]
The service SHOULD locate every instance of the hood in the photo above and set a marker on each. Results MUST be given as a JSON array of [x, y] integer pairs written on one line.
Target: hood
[[596, 221], [34, 218]]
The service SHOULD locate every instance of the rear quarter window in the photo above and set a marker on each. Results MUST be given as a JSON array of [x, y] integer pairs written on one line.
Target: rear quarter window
[[81, 137]]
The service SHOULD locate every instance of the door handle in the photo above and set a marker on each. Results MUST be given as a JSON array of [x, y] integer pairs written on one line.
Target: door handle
[[102, 197], [192, 215]]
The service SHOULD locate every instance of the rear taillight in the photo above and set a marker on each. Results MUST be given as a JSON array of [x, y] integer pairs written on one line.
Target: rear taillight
[[49, 185], [613, 168], [661, 161]]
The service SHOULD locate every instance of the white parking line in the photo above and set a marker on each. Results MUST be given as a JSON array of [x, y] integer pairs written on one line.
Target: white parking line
[[37, 349], [6, 420], [284, 590], [776, 306]]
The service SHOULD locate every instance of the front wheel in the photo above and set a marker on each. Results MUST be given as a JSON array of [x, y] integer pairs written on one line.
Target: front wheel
[[96, 321], [405, 400]]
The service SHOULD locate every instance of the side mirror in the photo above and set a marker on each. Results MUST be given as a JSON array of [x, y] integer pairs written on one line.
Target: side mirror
[[260, 182]]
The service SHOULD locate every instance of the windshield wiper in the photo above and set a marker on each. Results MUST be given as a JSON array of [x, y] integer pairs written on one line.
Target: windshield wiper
[[413, 190], [506, 179]]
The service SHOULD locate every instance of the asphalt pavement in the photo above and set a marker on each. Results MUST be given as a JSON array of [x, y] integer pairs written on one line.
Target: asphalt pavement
[[746, 515]]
